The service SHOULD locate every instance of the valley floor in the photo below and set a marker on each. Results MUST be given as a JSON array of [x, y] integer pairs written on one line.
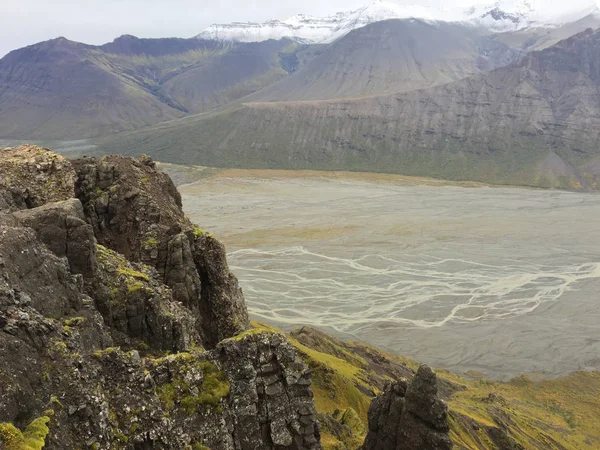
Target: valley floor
[[498, 281]]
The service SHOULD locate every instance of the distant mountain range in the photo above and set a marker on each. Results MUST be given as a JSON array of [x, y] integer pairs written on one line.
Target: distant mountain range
[[450, 99], [61, 89], [535, 122], [503, 15]]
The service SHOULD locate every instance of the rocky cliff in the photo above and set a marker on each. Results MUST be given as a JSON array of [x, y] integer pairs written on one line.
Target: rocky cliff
[[121, 325], [408, 416]]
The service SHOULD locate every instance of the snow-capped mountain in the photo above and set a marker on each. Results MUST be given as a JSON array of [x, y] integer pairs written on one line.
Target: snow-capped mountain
[[502, 15]]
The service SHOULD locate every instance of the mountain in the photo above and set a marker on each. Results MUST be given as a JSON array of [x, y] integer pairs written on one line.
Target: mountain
[[534, 122], [503, 15], [391, 56], [61, 89]]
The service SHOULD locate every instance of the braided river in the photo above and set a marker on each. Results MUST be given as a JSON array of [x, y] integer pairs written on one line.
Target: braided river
[[497, 281]]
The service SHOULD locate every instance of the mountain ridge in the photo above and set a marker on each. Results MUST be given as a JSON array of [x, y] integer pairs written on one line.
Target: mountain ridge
[[497, 127], [60, 88], [503, 15]]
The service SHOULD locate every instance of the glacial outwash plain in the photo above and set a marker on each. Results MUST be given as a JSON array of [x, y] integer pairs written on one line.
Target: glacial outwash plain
[[469, 277]]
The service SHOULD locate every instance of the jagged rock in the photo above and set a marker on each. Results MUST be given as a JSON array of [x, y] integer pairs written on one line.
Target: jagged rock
[[31, 176], [270, 393], [136, 210], [137, 307], [222, 305], [409, 416], [62, 227], [65, 302], [40, 279]]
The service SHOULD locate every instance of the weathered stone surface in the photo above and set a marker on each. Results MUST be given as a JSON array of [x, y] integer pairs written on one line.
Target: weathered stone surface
[[62, 227], [136, 210], [409, 416], [138, 307], [84, 330], [272, 409], [221, 303], [40, 279], [31, 176]]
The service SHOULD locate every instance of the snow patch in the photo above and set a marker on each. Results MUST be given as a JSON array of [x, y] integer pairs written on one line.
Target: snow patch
[[502, 15]]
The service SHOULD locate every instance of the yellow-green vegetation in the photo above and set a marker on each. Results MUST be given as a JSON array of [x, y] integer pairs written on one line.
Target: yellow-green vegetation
[[74, 321], [554, 414], [180, 391], [99, 354], [199, 446], [560, 413], [106, 255], [129, 280], [199, 231], [134, 287], [33, 438], [150, 242], [58, 348]]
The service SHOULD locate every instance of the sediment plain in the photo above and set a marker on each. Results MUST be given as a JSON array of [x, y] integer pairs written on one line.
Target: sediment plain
[[489, 280]]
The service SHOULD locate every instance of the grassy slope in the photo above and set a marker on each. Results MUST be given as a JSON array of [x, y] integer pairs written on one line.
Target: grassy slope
[[484, 414]]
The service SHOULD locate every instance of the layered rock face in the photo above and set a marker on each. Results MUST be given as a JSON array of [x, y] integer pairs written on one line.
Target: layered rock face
[[135, 210], [121, 325], [409, 416]]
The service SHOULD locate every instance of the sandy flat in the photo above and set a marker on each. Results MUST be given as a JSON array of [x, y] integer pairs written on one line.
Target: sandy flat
[[495, 280]]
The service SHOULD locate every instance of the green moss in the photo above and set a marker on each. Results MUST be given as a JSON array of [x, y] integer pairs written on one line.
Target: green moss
[[129, 272], [99, 354], [199, 231], [199, 446], [59, 348], [213, 388], [56, 403], [33, 438], [111, 258], [121, 438], [150, 242], [134, 287], [74, 321]]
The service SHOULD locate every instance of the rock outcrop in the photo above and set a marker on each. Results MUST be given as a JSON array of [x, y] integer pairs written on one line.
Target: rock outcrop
[[135, 210], [121, 325], [409, 416], [31, 176]]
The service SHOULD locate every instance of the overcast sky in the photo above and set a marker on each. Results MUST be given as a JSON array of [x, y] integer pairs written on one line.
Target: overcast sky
[[25, 22]]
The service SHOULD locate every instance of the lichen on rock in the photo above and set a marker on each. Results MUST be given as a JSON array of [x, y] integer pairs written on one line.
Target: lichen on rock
[[135, 210], [127, 323]]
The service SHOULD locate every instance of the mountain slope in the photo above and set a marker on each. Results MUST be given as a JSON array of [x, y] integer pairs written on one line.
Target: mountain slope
[[231, 75], [391, 56], [535, 122], [61, 89]]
